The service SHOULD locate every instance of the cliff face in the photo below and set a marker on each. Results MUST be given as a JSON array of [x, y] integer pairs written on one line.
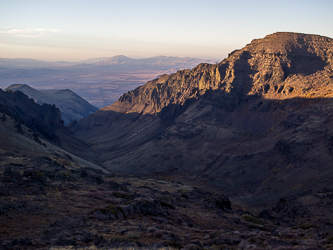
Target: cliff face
[[268, 67], [258, 124], [44, 119]]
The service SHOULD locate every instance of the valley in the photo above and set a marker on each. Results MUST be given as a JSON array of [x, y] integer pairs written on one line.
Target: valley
[[231, 155], [256, 125], [53, 199]]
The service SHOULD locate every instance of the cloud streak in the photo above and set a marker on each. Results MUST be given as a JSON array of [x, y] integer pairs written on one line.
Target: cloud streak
[[30, 32]]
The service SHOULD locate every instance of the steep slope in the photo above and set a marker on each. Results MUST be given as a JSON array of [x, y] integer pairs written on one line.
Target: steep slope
[[44, 119], [21, 144], [28, 129], [72, 106], [257, 125]]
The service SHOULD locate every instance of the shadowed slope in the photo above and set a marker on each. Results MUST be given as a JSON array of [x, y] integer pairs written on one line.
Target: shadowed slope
[[45, 119], [72, 106]]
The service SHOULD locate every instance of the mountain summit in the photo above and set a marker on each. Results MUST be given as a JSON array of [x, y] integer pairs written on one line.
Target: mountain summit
[[256, 124]]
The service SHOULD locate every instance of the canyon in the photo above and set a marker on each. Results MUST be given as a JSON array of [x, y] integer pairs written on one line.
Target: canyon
[[230, 155]]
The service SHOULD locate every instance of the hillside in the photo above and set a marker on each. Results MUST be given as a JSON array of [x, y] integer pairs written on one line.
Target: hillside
[[72, 106], [44, 119], [52, 199], [256, 125]]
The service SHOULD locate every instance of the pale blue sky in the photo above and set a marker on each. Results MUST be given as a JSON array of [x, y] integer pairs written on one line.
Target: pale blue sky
[[75, 30]]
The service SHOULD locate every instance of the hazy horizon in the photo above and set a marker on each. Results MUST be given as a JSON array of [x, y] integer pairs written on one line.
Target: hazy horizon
[[79, 30], [105, 57]]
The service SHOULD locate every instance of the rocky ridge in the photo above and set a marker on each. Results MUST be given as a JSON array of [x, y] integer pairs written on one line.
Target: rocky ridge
[[266, 67], [253, 125], [72, 107], [43, 119]]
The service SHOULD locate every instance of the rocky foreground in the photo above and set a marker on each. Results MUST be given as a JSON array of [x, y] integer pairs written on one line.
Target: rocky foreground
[[45, 204]]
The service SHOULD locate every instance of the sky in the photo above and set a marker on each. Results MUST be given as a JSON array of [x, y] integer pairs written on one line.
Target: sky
[[75, 30]]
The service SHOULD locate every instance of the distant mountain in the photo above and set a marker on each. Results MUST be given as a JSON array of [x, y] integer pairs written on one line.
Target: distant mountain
[[72, 106], [29, 63], [101, 81], [118, 60], [160, 62], [19, 62], [157, 62], [257, 125], [23, 73], [94, 60]]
